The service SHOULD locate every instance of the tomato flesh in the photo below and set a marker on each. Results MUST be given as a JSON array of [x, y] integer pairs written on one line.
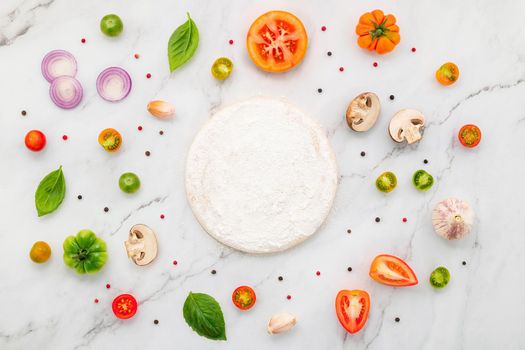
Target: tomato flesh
[[392, 271], [124, 306], [277, 41], [469, 135], [35, 140], [244, 297], [352, 308]]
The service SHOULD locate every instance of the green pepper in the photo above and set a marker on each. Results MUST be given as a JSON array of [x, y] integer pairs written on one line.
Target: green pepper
[[422, 180], [85, 252], [439, 277]]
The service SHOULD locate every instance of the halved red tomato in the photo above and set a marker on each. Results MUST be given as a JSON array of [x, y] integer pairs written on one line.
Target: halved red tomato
[[469, 135], [392, 271], [244, 297], [277, 41], [124, 306], [352, 307]]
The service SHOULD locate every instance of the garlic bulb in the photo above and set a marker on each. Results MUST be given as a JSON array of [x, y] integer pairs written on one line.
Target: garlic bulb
[[281, 323], [452, 218], [161, 109]]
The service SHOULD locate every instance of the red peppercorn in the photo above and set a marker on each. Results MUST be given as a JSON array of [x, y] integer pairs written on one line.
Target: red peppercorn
[[231, 42], [140, 128], [375, 64], [341, 69], [136, 56], [108, 286], [288, 297], [318, 273], [96, 301], [162, 216], [83, 40], [148, 75], [175, 262], [64, 137], [413, 49], [323, 28], [404, 219]]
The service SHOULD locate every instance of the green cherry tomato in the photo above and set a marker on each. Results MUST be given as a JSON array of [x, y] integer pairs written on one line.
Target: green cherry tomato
[[422, 180], [111, 25], [386, 182], [129, 182], [85, 252], [222, 67], [439, 277]]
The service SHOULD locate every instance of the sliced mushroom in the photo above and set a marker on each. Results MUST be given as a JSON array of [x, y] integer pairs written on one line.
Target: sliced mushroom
[[406, 125], [141, 245], [363, 111]]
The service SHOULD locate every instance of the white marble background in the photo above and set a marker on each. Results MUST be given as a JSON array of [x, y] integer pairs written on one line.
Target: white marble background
[[50, 307]]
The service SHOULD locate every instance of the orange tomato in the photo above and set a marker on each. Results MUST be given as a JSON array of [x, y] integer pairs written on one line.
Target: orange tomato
[[40, 252], [392, 271], [469, 135], [244, 297], [447, 74], [377, 32], [110, 139], [277, 41], [352, 307]]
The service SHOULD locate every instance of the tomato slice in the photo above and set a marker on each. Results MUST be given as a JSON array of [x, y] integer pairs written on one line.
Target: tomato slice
[[244, 297], [110, 139], [277, 41], [392, 271], [352, 307], [124, 306], [469, 135]]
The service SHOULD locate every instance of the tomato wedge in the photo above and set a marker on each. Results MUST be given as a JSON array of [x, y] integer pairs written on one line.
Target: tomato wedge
[[277, 41], [124, 306], [352, 307], [392, 271], [244, 297]]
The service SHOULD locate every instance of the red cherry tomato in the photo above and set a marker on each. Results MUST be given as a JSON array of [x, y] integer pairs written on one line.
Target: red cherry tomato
[[244, 297], [352, 307], [469, 135], [35, 140], [392, 271], [125, 306]]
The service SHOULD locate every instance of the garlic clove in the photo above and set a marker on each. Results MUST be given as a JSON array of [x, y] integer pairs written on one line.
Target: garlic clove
[[282, 322], [161, 109], [452, 218]]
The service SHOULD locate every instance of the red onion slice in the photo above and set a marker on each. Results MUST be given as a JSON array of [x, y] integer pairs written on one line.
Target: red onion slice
[[113, 84], [66, 92], [57, 63]]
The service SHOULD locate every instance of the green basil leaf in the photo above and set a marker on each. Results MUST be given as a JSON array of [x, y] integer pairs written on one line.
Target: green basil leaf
[[182, 44], [50, 192], [204, 315]]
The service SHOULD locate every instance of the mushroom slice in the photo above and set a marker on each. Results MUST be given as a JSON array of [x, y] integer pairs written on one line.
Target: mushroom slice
[[406, 125], [363, 111], [141, 245]]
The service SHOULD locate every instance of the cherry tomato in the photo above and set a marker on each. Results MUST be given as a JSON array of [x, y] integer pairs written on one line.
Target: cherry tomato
[[111, 25], [469, 135], [422, 180], [124, 306], [277, 41], [222, 67], [392, 271], [244, 297], [352, 307], [447, 74], [35, 140], [40, 252], [386, 182], [110, 139], [440, 277], [129, 182]]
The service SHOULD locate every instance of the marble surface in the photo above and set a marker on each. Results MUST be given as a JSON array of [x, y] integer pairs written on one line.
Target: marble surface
[[50, 307]]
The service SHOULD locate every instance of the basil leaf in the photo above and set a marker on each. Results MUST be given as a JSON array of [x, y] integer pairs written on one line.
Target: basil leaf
[[204, 315], [50, 192], [182, 44]]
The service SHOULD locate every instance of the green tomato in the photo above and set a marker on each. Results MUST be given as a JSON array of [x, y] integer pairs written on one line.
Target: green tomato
[[111, 25], [386, 182], [422, 180], [222, 67], [85, 252], [439, 277], [129, 182]]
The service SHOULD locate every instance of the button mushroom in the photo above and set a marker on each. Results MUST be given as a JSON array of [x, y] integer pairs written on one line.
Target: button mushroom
[[406, 125], [363, 111], [141, 245]]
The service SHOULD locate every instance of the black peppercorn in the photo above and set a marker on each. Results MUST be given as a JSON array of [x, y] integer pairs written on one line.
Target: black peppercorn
[[329, 53], [280, 278], [425, 161], [148, 153], [392, 97], [464, 263], [24, 113], [363, 153], [106, 209], [156, 321], [349, 269], [319, 90], [397, 319], [378, 219], [213, 272], [161, 132], [348, 231], [79, 196]]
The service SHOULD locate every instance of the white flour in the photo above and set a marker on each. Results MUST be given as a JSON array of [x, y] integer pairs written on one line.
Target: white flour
[[261, 176]]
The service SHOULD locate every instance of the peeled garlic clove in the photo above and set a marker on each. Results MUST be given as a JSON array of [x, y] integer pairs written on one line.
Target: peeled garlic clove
[[161, 109], [281, 323], [452, 218]]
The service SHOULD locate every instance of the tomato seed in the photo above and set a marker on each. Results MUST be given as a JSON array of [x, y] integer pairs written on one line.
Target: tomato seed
[[148, 75]]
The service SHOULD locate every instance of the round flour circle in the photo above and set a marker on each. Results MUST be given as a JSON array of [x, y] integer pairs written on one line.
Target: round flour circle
[[261, 176]]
